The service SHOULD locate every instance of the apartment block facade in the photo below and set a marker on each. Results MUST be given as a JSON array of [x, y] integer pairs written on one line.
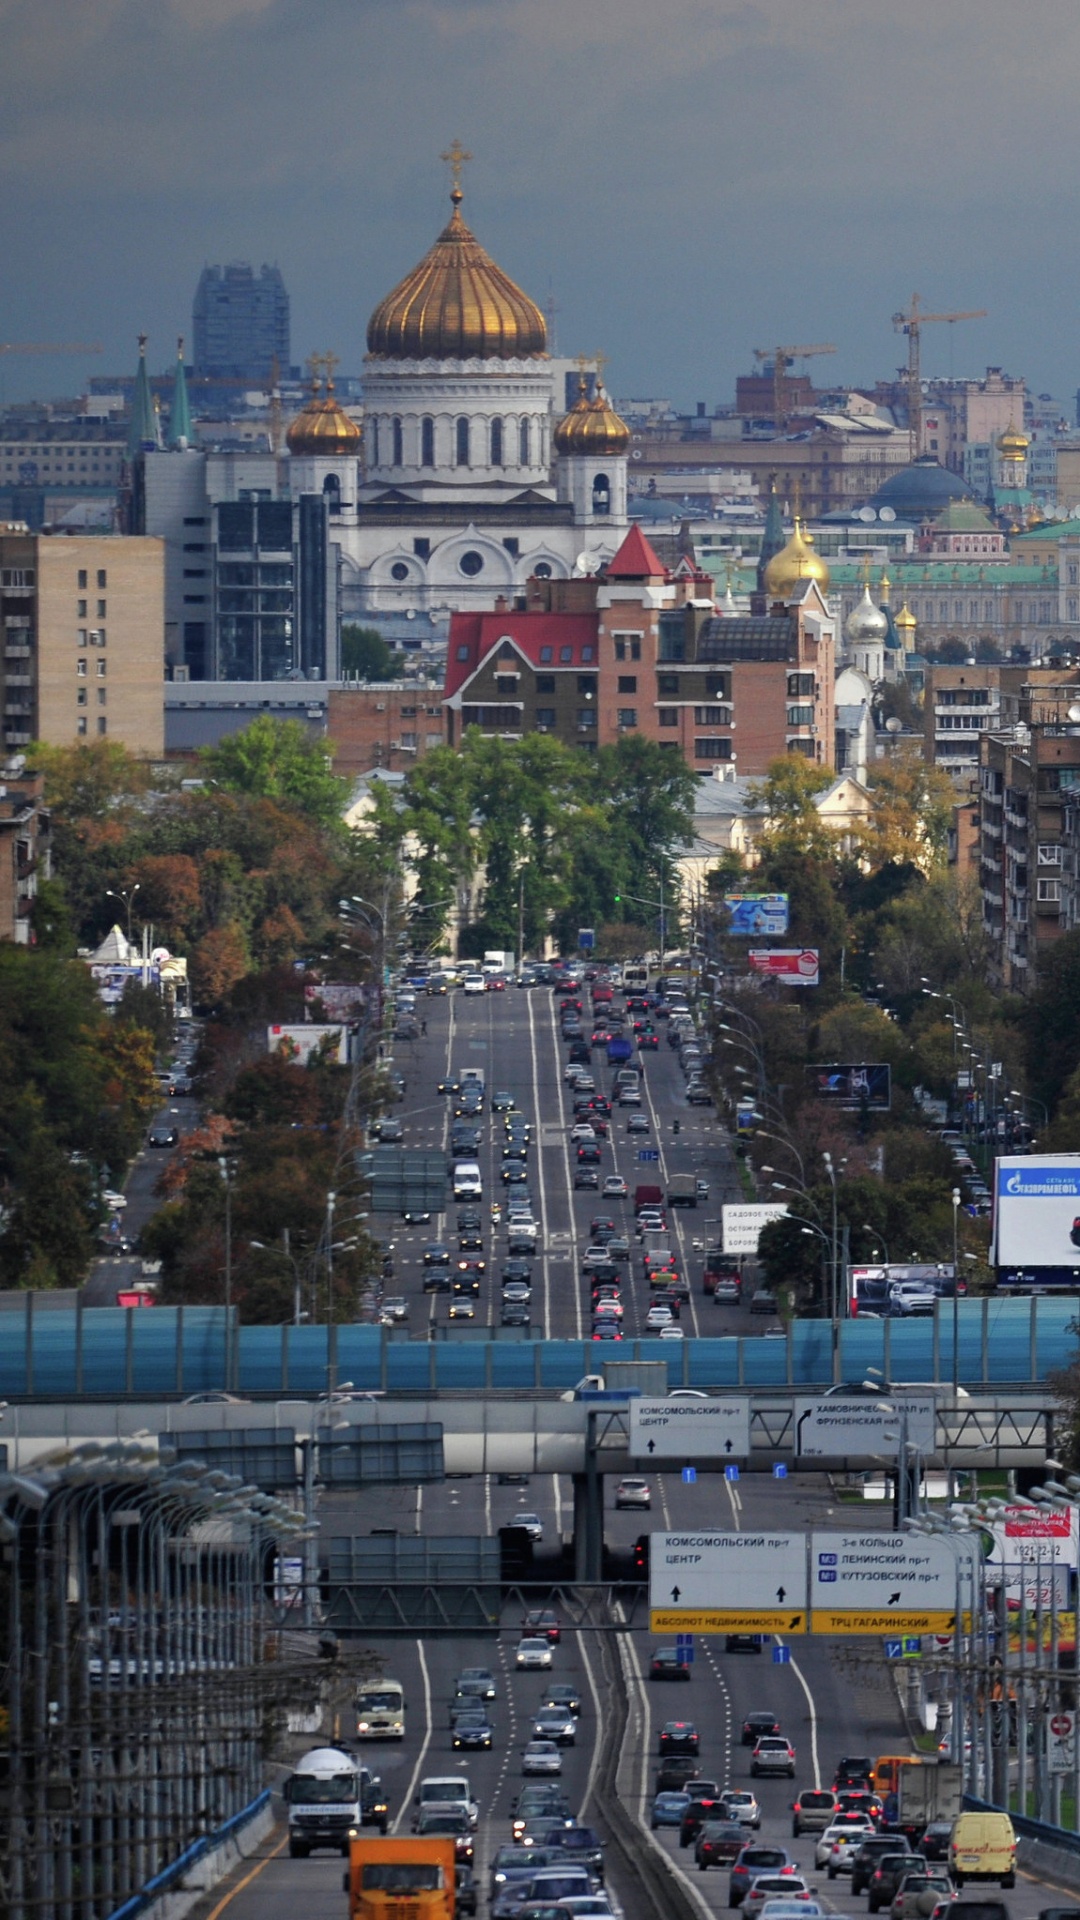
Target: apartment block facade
[[390, 724], [81, 640], [1029, 781]]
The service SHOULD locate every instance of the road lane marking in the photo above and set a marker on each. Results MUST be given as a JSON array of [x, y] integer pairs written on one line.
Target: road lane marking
[[424, 1744], [802, 1680], [631, 1667], [247, 1879]]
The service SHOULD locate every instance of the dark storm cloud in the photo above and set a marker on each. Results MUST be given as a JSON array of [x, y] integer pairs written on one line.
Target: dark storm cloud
[[692, 177]]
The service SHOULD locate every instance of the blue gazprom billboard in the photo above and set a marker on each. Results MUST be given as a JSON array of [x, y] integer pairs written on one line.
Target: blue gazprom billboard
[[1037, 1219]]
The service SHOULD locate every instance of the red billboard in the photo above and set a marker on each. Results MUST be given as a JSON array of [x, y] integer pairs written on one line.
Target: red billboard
[[794, 966]]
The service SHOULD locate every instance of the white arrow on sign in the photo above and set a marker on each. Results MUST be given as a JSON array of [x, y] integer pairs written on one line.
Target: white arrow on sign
[[828, 1428], [689, 1429], [748, 1572]]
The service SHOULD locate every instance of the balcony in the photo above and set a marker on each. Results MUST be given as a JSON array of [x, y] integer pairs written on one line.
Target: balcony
[[991, 828], [1014, 819]]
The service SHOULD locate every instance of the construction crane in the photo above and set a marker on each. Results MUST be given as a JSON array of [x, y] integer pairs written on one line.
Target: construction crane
[[782, 358], [45, 346], [912, 323]]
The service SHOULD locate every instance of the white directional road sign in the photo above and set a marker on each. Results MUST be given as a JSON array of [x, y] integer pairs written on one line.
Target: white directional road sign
[[689, 1429], [740, 1226], [888, 1582], [727, 1582], [828, 1428]]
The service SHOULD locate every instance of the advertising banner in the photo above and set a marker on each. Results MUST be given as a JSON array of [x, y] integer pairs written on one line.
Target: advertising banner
[[853, 1086], [299, 1043], [794, 966], [758, 913], [337, 999], [741, 1226], [1037, 1214], [111, 980]]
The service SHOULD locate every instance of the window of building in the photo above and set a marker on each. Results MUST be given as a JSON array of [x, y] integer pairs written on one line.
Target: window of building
[[1050, 853], [194, 546], [566, 654], [80, 609], [374, 441], [496, 443], [399, 571], [545, 716], [628, 646], [800, 686], [103, 724], [512, 545], [627, 683], [80, 636], [471, 563], [586, 683], [101, 609], [80, 669], [503, 717], [668, 716], [506, 683], [523, 444], [712, 749], [82, 577], [461, 442], [1048, 889], [667, 683], [80, 724], [586, 717], [601, 494], [421, 546], [588, 653], [800, 716], [408, 740], [803, 746], [542, 570], [408, 713], [80, 697], [463, 653], [101, 666], [547, 654], [627, 717], [427, 441], [102, 695], [712, 716], [397, 441], [102, 579]]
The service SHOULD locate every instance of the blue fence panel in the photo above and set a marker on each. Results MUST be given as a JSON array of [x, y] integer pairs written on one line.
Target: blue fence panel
[[811, 1352], [258, 1360], [459, 1368], [862, 1345], [714, 1362], [13, 1354], [911, 1350], [154, 1352], [1008, 1340], [1055, 1334], [968, 1322], [513, 1364], [53, 1353], [305, 1355], [203, 1348], [564, 1362], [764, 1363], [359, 1357], [407, 1366]]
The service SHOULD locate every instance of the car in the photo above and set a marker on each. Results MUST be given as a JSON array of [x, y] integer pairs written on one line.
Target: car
[[394, 1310], [516, 1293], [607, 1307], [889, 1869], [462, 1307], [671, 1332], [436, 1279], [531, 1523], [740, 1804], [541, 1757], [472, 1731], [717, 1844], [516, 1148], [771, 1886], [515, 1313], [637, 1123], [935, 1841], [842, 1854], [465, 1895], [812, 1810], [606, 1329], [589, 1152], [514, 1173], [474, 983], [910, 1298], [772, 1754], [657, 1318], [470, 1240], [847, 1825], [116, 1202], [741, 1642], [450, 1826], [543, 1620], [917, 1894], [436, 1255], [757, 1724], [727, 1289], [668, 1808], [673, 1772], [495, 983], [854, 1769], [415, 1216], [678, 1736], [618, 1248], [555, 1723], [586, 1178], [632, 1491], [698, 1095], [867, 1855], [704, 1804], [756, 1857], [615, 1187], [531, 1653], [860, 1800], [163, 1137], [668, 1663], [777, 1908], [468, 1269]]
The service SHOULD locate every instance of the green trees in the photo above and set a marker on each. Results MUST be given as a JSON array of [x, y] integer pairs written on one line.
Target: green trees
[[365, 654], [279, 760]]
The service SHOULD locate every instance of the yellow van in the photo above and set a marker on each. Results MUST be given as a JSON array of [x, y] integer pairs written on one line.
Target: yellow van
[[982, 1846]]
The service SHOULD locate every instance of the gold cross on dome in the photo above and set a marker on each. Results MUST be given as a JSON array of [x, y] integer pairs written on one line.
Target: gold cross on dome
[[329, 362], [600, 362], [455, 158]]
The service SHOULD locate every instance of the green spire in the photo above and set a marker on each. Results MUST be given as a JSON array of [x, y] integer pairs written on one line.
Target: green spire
[[181, 432], [143, 426]]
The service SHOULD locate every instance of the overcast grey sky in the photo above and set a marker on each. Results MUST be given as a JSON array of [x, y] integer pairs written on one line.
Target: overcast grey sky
[[692, 178]]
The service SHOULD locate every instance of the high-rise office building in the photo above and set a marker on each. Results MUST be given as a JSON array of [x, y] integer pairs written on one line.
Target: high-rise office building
[[241, 323]]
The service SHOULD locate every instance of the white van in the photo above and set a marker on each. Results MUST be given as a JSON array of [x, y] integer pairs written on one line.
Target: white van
[[467, 1182], [447, 1791], [380, 1710]]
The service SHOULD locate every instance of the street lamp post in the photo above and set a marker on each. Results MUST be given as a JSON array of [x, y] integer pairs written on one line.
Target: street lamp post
[[126, 898], [867, 1228], [956, 1197], [835, 1300], [223, 1167]]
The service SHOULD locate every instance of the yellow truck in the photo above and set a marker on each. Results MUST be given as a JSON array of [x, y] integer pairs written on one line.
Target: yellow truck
[[406, 1878]]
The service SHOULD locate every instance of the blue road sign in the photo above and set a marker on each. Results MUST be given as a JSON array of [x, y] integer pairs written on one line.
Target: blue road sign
[[648, 1153], [684, 1639], [689, 1474], [586, 937], [912, 1646], [731, 1473], [893, 1649], [779, 1471], [781, 1656]]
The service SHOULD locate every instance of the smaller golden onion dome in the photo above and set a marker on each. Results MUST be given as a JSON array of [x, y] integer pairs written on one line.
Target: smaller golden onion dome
[[591, 426], [1012, 444], [906, 622], [323, 427], [797, 561]]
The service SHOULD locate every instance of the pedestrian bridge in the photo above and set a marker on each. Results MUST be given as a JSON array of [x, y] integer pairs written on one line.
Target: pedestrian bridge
[[117, 1353]]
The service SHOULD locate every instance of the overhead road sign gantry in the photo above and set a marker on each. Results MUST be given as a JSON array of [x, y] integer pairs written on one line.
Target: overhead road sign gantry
[[727, 1583], [838, 1428], [889, 1583], [690, 1430]]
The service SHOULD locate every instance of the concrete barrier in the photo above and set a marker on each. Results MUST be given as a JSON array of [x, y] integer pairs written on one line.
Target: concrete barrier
[[178, 1887]]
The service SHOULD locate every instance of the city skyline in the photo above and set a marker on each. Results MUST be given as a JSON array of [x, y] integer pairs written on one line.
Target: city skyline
[[688, 182]]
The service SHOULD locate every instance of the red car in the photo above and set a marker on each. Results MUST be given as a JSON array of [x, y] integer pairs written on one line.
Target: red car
[[648, 1042], [542, 1624]]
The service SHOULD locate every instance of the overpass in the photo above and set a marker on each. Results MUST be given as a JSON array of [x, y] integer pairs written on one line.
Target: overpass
[[114, 1353]]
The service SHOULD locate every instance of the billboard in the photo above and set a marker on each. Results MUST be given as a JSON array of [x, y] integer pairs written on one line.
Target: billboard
[[1037, 1217], [758, 913], [741, 1226], [854, 1086], [111, 980], [794, 966], [339, 1000], [299, 1043]]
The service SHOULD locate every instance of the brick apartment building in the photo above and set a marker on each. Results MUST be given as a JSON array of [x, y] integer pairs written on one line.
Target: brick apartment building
[[641, 649], [82, 640], [24, 847], [388, 724], [1029, 778]]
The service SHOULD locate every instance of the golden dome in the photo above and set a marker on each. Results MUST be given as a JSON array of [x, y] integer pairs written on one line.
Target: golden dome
[[1013, 445], [797, 561], [456, 305], [906, 619], [323, 426], [591, 426]]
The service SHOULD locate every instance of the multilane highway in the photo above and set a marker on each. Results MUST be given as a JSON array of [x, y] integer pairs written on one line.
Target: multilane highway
[[833, 1698]]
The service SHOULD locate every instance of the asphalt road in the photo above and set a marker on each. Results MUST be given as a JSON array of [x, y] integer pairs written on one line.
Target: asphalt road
[[115, 1272]]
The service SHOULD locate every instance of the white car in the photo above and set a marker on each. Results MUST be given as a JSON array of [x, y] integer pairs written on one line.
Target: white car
[[852, 1831], [607, 1308], [541, 1757], [633, 1492], [532, 1654], [658, 1318], [774, 1886], [116, 1202], [532, 1524], [474, 983], [673, 1332], [581, 1130], [739, 1804], [615, 1187]]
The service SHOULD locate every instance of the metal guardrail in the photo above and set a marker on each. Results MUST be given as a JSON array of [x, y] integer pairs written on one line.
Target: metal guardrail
[[164, 1881]]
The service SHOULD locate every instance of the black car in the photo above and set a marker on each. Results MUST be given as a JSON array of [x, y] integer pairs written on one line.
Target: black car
[[516, 1270], [580, 1052], [473, 1733], [935, 1842], [464, 1891], [448, 1086], [589, 1153], [163, 1137], [586, 1177], [469, 1217], [867, 1856], [854, 1769], [515, 1313], [674, 1771], [755, 1725], [516, 1148], [391, 1132], [668, 1663], [436, 1255], [562, 1696], [436, 1279], [889, 1870], [754, 1859], [471, 1241], [581, 1846]]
